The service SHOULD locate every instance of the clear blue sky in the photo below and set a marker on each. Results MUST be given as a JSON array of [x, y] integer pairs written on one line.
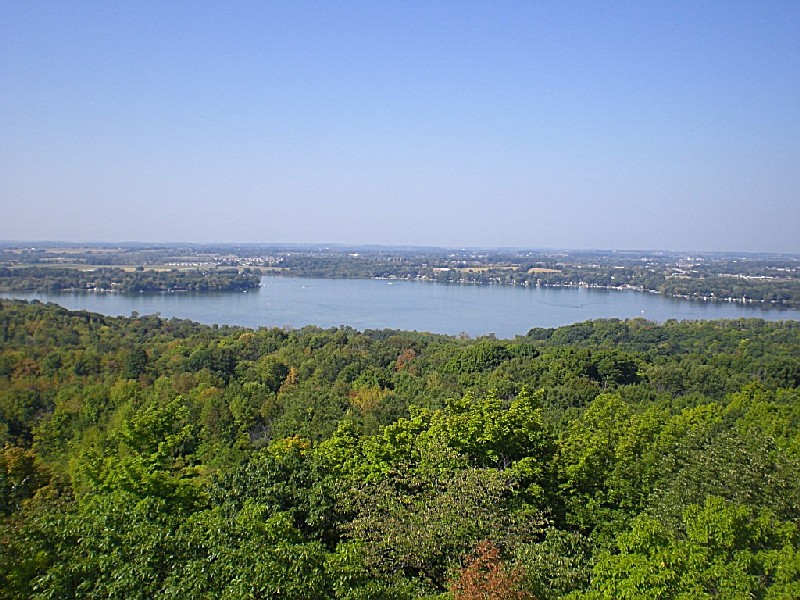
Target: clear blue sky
[[627, 125]]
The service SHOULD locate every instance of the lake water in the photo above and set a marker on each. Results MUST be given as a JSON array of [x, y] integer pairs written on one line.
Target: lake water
[[409, 305]]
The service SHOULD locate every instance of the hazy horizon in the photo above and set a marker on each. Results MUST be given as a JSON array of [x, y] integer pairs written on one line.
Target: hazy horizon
[[549, 125], [346, 245]]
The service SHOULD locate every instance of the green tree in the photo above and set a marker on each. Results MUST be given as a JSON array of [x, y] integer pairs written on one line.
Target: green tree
[[721, 550]]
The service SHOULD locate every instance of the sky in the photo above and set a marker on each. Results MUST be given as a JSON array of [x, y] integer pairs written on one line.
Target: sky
[[564, 124]]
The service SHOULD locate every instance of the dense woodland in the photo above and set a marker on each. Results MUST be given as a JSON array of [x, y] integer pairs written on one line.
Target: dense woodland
[[55, 279], [145, 457]]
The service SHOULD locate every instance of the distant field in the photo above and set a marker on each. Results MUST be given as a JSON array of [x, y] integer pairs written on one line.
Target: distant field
[[64, 265], [540, 270], [483, 269]]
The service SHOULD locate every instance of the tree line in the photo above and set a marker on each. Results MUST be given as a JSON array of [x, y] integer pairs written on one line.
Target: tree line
[[55, 279]]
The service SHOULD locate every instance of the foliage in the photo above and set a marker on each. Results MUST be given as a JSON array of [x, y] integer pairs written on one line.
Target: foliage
[[484, 575], [144, 457], [52, 279], [719, 550]]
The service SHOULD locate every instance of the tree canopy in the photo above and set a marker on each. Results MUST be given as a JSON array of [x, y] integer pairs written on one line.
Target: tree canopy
[[144, 457]]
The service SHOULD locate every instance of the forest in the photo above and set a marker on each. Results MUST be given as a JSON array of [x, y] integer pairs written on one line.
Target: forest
[[109, 279], [145, 457]]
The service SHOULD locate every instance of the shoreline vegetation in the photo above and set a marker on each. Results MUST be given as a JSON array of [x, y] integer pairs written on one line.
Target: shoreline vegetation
[[115, 280], [621, 288], [767, 280]]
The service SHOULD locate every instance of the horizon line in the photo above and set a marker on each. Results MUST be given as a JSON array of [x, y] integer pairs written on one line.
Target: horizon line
[[355, 245]]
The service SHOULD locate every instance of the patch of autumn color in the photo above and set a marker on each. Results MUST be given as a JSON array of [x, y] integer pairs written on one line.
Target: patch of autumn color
[[406, 356], [485, 576], [367, 399], [26, 368], [291, 378], [285, 446]]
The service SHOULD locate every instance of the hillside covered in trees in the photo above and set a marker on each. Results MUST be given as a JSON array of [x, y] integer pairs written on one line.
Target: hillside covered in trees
[[144, 457]]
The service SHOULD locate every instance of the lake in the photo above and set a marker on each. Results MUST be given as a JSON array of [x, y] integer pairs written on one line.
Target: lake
[[411, 305]]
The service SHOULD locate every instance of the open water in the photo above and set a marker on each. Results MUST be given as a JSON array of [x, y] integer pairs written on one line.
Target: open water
[[410, 305]]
